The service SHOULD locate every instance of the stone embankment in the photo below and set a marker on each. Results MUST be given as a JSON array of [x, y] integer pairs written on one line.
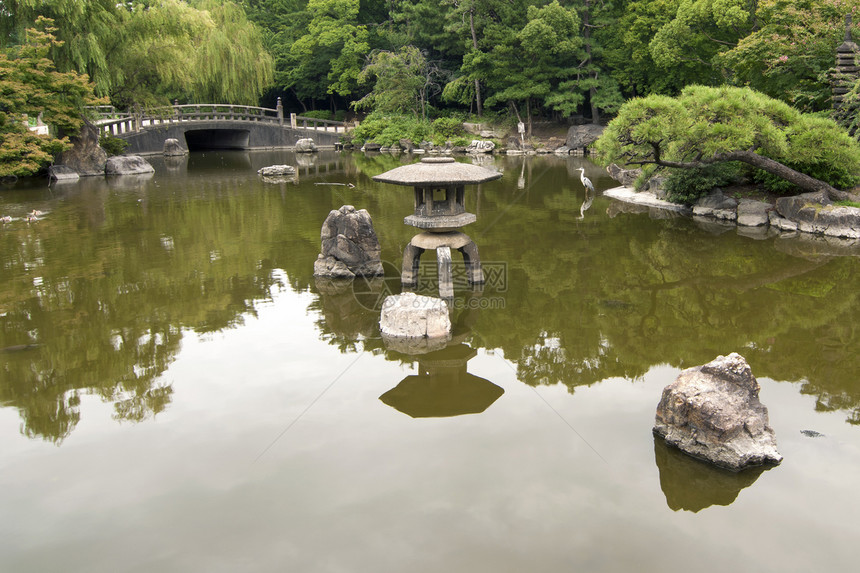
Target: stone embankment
[[811, 213]]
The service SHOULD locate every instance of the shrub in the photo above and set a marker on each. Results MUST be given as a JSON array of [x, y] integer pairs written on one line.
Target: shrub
[[387, 130], [833, 174], [112, 145], [448, 127], [686, 186]]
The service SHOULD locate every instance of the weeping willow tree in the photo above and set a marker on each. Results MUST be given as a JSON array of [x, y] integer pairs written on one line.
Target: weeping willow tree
[[149, 52], [232, 65], [83, 31]]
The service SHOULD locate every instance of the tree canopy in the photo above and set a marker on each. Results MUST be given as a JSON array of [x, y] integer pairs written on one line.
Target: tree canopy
[[31, 87], [149, 52], [704, 126], [555, 58]]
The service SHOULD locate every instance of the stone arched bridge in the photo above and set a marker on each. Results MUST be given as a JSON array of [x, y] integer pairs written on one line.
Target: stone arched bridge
[[216, 126]]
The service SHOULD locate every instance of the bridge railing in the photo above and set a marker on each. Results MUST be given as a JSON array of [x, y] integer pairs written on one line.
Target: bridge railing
[[317, 124], [209, 112], [118, 126]]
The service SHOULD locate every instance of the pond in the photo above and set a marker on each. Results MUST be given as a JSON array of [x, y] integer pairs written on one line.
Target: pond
[[179, 394]]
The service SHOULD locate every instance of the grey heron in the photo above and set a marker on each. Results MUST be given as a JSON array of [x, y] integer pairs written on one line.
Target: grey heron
[[589, 186]]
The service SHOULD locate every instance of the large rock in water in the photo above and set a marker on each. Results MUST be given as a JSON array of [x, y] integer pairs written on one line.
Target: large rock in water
[[127, 165], [815, 213], [305, 145], [349, 245], [713, 412], [86, 157]]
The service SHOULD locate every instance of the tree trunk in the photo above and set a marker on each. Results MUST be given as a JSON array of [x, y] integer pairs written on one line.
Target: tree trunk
[[479, 106], [529, 114], [298, 99], [592, 91], [773, 167], [516, 111]]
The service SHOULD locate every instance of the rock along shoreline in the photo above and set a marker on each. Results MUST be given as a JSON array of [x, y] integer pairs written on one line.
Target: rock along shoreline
[[810, 215]]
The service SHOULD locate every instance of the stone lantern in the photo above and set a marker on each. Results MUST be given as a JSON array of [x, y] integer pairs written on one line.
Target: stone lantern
[[439, 185]]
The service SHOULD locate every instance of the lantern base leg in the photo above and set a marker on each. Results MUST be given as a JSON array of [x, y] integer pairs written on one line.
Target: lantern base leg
[[474, 272], [446, 275], [442, 243], [411, 260]]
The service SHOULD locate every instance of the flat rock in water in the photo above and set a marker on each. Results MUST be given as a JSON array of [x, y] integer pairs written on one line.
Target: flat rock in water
[[62, 173], [277, 170], [411, 315], [717, 206], [713, 412], [753, 213], [644, 198]]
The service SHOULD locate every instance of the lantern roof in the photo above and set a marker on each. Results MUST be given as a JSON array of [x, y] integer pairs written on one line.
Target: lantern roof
[[438, 171]]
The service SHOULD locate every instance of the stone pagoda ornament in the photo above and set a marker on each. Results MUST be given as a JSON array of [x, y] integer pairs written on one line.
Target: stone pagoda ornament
[[439, 185], [847, 67]]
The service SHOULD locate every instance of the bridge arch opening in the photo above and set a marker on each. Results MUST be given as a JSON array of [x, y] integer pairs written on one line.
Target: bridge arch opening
[[202, 139]]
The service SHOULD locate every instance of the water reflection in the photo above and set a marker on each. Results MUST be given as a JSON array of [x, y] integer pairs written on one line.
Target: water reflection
[[105, 285], [443, 387], [349, 311], [692, 485]]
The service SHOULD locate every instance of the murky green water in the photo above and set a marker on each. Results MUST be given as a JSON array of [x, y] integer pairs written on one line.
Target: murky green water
[[179, 394]]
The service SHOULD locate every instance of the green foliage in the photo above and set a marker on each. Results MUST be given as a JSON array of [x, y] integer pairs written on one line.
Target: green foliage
[[339, 115], [836, 175], [88, 32], [29, 86], [625, 42], [390, 129], [398, 79], [705, 125], [112, 145], [699, 32], [686, 186], [230, 63], [448, 127], [789, 54], [533, 62], [147, 53], [328, 57]]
